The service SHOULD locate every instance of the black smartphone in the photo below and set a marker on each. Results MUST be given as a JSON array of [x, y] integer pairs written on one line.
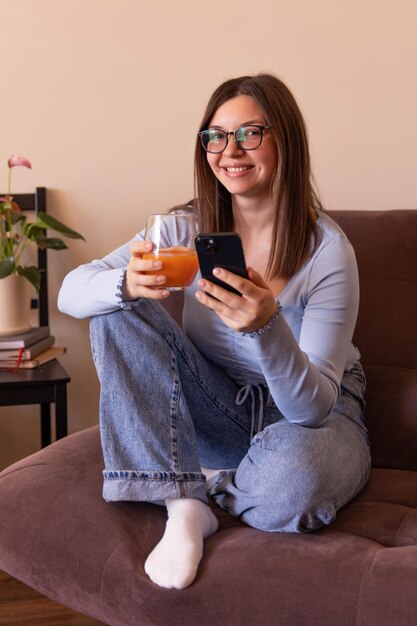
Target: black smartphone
[[220, 250]]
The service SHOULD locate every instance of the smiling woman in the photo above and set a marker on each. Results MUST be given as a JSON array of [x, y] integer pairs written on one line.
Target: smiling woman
[[264, 382], [283, 163]]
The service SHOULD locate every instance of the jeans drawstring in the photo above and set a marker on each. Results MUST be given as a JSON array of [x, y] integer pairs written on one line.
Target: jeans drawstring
[[242, 396]]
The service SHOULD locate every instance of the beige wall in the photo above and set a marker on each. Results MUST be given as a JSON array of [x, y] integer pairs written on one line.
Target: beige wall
[[91, 89]]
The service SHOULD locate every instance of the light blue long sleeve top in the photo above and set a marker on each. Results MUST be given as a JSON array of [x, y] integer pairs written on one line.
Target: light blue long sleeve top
[[301, 355]]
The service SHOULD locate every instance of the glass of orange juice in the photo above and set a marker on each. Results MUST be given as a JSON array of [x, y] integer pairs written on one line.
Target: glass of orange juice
[[172, 235]]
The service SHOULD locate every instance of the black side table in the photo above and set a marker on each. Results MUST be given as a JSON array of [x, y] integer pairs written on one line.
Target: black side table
[[44, 385]]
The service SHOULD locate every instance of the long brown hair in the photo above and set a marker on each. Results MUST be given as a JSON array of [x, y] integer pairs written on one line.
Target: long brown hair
[[294, 231]]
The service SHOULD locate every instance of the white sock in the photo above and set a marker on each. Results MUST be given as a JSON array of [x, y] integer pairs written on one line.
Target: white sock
[[173, 563]]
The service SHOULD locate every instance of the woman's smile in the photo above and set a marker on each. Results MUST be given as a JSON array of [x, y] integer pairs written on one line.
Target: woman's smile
[[236, 171]]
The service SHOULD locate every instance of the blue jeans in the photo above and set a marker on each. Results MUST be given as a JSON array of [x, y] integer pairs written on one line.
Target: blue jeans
[[165, 410]]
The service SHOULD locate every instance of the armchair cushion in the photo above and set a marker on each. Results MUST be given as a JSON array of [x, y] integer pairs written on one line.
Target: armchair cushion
[[59, 536]]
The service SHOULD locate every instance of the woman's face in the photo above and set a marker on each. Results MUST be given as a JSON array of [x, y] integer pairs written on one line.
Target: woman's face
[[246, 174]]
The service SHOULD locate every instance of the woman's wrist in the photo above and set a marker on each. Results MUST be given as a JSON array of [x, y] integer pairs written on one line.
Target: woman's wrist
[[268, 324], [123, 289]]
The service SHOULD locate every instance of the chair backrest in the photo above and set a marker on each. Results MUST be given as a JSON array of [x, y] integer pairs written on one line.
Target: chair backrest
[[385, 244], [37, 202]]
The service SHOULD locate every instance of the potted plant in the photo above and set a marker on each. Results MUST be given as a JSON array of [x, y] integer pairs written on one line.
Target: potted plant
[[17, 234]]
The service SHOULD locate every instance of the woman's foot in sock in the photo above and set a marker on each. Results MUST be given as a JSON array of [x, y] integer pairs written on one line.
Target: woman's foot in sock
[[174, 561]]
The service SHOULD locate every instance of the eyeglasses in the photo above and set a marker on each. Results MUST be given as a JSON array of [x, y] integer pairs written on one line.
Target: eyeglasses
[[248, 137]]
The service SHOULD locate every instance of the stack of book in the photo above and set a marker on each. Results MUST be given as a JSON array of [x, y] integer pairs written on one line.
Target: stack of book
[[28, 350]]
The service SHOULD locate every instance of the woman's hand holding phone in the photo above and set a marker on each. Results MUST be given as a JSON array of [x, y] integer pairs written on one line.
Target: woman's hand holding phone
[[246, 313]]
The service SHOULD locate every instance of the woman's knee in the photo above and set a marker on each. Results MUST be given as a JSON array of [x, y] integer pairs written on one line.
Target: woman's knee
[[105, 324], [291, 498], [296, 481], [119, 325]]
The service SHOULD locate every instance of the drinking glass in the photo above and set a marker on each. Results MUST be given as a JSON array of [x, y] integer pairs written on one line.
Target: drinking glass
[[173, 237]]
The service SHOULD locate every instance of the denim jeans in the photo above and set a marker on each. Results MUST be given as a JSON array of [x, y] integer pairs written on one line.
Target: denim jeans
[[165, 411]]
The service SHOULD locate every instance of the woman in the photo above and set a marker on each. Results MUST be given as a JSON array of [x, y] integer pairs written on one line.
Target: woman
[[266, 386]]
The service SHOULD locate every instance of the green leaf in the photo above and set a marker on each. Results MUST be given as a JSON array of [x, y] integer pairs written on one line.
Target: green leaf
[[7, 267], [18, 217], [33, 232], [51, 242], [33, 275], [47, 221]]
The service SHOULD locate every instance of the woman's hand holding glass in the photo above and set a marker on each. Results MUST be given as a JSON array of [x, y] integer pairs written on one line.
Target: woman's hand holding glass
[[139, 283], [246, 313], [166, 260]]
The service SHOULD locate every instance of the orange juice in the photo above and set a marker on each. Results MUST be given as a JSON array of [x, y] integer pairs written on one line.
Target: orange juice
[[180, 266]]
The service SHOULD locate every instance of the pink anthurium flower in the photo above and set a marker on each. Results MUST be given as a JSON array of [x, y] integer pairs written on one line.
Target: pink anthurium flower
[[14, 161]]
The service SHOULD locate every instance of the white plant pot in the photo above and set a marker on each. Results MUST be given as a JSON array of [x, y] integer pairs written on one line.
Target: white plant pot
[[15, 296]]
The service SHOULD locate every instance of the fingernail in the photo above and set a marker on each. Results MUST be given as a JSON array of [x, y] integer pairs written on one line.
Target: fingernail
[[160, 279], [148, 245], [217, 271], [157, 265]]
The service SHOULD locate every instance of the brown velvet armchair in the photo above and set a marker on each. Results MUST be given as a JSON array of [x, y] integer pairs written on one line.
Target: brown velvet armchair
[[58, 535]]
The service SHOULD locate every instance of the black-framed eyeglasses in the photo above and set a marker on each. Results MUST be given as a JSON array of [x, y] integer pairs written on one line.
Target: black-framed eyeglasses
[[248, 137]]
